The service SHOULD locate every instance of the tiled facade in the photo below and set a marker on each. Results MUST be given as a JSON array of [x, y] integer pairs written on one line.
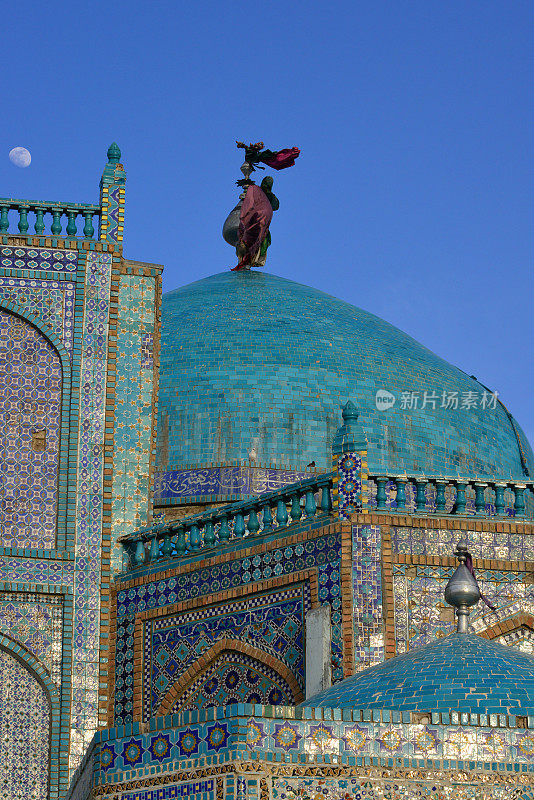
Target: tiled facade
[[309, 753], [192, 634], [67, 305], [194, 643], [258, 596]]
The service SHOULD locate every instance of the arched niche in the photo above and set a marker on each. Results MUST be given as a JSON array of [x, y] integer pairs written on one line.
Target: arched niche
[[233, 672], [25, 721], [31, 377]]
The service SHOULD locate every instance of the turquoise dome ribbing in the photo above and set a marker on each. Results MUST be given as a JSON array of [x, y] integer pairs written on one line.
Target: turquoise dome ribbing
[[251, 362], [462, 672]]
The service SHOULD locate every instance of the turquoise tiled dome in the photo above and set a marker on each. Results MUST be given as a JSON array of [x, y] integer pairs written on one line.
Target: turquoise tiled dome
[[256, 364], [462, 672]]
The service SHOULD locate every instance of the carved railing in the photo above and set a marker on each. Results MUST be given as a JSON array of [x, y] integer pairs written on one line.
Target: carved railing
[[311, 500], [444, 496], [307, 500], [76, 214]]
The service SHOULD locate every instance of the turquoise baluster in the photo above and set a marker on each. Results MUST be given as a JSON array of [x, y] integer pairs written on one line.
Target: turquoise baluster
[[140, 555], [180, 542], [440, 495], [267, 517], [460, 497], [209, 534], [310, 505], [480, 499], [296, 511], [420, 498], [326, 500], [281, 514], [130, 555], [195, 540], [500, 488], [23, 221], [224, 530], [401, 493], [253, 522], [166, 547], [4, 219], [88, 229], [381, 493], [239, 525], [519, 504], [39, 221], [153, 554], [56, 222], [71, 224]]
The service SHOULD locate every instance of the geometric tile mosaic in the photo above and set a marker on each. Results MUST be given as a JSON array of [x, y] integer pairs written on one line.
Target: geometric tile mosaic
[[36, 621], [89, 509], [421, 613], [50, 301], [235, 678], [310, 756], [133, 407], [322, 552], [432, 542], [30, 415], [24, 727], [38, 258], [349, 468], [273, 622], [367, 592]]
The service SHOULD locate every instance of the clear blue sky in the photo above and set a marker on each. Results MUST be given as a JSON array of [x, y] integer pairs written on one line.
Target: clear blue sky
[[414, 193]]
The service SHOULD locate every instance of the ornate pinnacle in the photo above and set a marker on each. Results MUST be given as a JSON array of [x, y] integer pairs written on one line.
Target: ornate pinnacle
[[462, 590]]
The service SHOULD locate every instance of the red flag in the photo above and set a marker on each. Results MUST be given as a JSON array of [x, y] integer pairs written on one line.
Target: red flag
[[281, 158]]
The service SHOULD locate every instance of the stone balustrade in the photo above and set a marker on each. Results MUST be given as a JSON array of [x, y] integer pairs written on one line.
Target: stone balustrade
[[48, 215], [312, 499], [444, 496], [306, 501]]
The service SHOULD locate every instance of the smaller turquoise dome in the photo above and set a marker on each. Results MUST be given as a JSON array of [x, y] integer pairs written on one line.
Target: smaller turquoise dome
[[462, 672]]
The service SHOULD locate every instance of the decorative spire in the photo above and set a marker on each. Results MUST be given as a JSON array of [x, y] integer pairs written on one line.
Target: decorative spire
[[349, 437], [247, 226], [114, 153], [112, 198], [462, 590]]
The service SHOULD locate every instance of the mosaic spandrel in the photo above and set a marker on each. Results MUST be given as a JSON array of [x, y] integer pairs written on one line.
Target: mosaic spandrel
[[30, 409]]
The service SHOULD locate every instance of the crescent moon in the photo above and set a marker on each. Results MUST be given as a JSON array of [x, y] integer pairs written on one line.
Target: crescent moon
[[20, 157]]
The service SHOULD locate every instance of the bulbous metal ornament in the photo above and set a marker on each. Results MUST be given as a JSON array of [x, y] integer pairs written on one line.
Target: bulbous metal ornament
[[462, 590], [230, 229]]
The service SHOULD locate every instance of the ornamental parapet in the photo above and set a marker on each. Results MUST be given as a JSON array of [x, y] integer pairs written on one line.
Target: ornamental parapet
[[314, 500], [48, 218]]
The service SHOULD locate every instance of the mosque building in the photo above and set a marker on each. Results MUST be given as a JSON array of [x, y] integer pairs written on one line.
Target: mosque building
[[257, 543]]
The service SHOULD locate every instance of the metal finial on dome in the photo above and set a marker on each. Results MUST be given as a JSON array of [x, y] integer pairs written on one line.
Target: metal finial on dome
[[247, 226], [462, 590], [114, 153]]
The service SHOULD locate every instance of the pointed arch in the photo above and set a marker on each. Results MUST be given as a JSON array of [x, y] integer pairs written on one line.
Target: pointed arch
[[12, 307], [36, 671], [51, 361], [209, 657]]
